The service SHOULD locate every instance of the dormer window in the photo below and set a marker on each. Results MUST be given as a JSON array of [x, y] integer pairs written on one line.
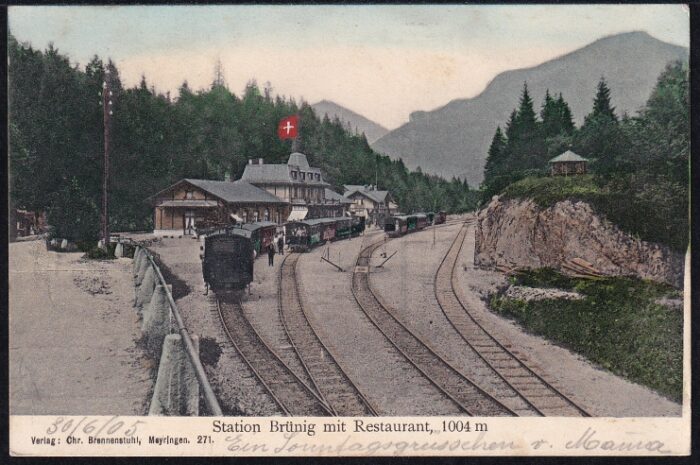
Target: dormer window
[[318, 177], [294, 174], [303, 175]]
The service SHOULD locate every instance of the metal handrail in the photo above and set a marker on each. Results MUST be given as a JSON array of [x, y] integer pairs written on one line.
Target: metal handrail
[[209, 396]]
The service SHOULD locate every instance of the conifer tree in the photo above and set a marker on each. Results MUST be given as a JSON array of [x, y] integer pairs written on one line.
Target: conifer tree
[[566, 118], [550, 116], [601, 138], [526, 146], [496, 155], [601, 104], [527, 119]]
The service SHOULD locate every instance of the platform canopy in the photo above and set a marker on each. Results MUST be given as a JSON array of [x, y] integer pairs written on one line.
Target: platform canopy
[[298, 214]]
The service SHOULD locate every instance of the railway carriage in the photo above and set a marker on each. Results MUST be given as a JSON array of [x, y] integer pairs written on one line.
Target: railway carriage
[[262, 234], [421, 221], [227, 259], [358, 226], [343, 228], [302, 235], [328, 228], [396, 225], [431, 217], [440, 218]]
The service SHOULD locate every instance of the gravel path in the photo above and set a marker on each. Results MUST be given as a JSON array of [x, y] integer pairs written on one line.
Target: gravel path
[[237, 388], [600, 392], [72, 336], [385, 377]]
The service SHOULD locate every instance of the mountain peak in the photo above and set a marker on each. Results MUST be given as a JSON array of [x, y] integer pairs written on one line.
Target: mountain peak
[[350, 119], [454, 138]]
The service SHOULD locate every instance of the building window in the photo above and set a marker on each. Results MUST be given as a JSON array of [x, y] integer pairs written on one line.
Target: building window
[[318, 177], [303, 175], [188, 195], [267, 214], [294, 174], [244, 216], [255, 216]]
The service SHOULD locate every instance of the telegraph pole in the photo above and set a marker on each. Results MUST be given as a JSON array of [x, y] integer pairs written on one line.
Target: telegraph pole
[[107, 118]]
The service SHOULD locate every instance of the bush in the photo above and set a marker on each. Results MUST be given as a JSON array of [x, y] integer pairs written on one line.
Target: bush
[[97, 253], [618, 324]]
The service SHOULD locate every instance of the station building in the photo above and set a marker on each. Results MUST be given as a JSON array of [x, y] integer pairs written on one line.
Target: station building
[[369, 202], [266, 192]]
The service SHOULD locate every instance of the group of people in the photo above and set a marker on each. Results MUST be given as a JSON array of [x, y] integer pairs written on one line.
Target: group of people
[[278, 244]]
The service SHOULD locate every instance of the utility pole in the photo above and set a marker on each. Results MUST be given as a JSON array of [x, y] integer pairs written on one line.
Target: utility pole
[[107, 118]]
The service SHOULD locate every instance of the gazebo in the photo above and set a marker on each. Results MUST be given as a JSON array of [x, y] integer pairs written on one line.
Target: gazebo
[[568, 163]]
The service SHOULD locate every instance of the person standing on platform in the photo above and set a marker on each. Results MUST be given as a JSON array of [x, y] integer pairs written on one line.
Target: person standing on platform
[[280, 245], [271, 255]]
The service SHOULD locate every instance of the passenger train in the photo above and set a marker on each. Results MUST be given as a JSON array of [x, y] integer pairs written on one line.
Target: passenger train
[[228, 253], [227, 259], [398, 225]]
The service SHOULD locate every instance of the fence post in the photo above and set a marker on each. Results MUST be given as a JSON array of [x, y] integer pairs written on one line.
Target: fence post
[[156, 321], [177, 390], [145, 291]]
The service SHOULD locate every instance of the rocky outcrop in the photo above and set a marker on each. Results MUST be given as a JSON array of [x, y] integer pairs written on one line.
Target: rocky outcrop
[[517, 233]]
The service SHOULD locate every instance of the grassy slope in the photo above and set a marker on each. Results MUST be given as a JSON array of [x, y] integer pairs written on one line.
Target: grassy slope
[[618, 325]]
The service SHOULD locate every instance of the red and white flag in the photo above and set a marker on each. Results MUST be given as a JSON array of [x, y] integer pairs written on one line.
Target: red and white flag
[[288, 127]]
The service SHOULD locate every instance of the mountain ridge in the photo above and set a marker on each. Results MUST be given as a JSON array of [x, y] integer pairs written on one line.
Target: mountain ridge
[[351, 119], [452, 140]]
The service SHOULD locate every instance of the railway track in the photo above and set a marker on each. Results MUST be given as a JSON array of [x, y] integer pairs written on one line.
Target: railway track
[[539, 394], [289, 392], [338, 391], [466, 394]]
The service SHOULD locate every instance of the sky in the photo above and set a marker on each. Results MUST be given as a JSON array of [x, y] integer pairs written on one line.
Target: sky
[[381, 61]]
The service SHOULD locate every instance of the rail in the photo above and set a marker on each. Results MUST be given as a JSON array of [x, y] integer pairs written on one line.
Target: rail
[[209, 396]]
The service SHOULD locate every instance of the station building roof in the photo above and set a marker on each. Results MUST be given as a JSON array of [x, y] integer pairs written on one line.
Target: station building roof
[[374, 195], [227, 191], [335, 197], [261, 173]]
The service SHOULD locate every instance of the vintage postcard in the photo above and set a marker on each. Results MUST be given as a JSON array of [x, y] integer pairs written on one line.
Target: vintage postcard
[[418, 230]]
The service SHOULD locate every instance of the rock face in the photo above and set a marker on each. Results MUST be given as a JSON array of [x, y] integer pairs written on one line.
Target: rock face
[[518, 233]]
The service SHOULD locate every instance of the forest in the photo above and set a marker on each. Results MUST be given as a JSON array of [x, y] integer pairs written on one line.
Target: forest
[[639, 165], [56, 144]]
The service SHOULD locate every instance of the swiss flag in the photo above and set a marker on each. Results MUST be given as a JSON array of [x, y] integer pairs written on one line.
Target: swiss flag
[[288, 127]]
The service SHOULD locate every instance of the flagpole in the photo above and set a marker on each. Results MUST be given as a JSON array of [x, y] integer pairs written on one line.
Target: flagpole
[[296, 142]]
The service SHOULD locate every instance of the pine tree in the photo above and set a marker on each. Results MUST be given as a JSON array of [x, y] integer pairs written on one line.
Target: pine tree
[[496, 155], [550, 116], [601, 104], [526, 145], [527, 119], [512, 126], [601, 138], [565, 117]]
